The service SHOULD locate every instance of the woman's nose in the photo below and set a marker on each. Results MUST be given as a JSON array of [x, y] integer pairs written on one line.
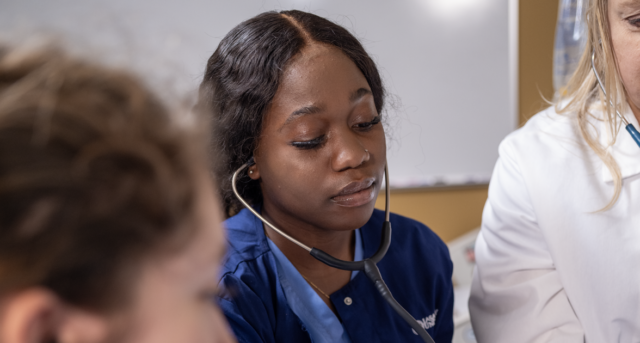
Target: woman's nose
[[349, 153]]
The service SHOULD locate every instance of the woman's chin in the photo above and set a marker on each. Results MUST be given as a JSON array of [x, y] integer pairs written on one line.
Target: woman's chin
[[351, 218]]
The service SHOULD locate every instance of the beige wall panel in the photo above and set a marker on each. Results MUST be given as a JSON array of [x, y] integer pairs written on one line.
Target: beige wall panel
[[537, 27], [448, 212]]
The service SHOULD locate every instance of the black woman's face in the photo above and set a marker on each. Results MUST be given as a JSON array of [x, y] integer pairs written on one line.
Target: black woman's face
[[322, 151]]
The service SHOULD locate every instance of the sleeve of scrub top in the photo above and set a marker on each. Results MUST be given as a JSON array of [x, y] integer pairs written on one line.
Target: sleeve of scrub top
[[516, 294], [249, 311]]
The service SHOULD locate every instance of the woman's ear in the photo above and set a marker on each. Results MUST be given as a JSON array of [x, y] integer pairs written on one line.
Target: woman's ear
[[254, 172], [36, 315], [29, 316]]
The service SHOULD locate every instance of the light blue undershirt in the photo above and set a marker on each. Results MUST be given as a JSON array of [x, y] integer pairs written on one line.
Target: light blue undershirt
[[321, 323]]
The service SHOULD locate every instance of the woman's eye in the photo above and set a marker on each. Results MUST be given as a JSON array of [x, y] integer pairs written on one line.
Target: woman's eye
[[368, 125], [312, 144], [634, 21]]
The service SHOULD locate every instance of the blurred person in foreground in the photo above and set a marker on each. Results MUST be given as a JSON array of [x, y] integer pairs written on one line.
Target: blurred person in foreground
[[109, 227]]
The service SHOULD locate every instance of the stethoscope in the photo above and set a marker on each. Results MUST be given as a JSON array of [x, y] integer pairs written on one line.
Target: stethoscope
[[630, 128], [367, 265]]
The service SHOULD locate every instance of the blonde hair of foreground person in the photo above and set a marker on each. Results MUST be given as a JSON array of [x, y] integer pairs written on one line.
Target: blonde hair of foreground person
[[109, 229], [582, 91]]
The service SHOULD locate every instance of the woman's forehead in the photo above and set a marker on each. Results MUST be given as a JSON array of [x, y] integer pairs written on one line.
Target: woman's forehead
[[319, 69], [320, 80], [632, 4], [315, 55]]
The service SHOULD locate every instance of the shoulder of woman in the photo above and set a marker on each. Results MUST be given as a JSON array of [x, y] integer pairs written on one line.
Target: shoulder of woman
[[246, 241], [247, 303], [543, 134], [547, 121], [249, 262], [248, 279]]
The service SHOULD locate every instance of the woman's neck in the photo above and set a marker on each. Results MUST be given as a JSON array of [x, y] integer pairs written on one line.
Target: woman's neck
[[340, 244]]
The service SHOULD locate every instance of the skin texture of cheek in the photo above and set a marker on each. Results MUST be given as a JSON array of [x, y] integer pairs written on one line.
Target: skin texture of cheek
[[628, 58], [170, 305], [173, 296], [303, 187], [626, 44]]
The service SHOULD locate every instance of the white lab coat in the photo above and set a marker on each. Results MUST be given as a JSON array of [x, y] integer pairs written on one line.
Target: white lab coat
[[550, 268]]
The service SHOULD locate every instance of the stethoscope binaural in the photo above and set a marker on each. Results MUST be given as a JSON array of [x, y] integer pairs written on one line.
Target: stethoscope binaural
[[630, 128], [367, 265]]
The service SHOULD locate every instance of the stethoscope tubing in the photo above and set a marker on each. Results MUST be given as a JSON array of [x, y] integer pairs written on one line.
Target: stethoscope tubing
[[248, 207], [630, 128], [368, 265]]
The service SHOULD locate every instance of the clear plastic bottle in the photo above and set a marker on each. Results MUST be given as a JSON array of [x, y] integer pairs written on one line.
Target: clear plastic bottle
[[571, 35]]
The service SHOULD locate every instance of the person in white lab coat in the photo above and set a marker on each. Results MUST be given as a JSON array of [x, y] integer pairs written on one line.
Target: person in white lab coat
[[558, 255]]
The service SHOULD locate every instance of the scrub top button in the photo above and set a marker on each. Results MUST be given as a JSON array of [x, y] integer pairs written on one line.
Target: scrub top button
[[348, 301]]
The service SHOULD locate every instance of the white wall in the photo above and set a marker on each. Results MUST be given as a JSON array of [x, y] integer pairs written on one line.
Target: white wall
[[450, 63]]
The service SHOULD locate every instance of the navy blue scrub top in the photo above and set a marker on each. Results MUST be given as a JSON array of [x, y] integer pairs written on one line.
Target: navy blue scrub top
[[417, 269]]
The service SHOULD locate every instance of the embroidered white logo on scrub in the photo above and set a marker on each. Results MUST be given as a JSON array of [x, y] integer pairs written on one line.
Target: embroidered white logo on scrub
[[427, 322]]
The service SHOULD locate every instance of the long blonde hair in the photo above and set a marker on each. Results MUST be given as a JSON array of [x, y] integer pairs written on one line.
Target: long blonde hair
[[583, 91]]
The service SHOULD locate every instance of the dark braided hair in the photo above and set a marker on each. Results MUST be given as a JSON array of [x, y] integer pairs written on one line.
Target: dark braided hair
[[243, 75]]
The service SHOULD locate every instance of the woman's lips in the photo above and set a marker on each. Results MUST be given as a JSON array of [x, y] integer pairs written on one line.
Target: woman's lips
[[356, 194]]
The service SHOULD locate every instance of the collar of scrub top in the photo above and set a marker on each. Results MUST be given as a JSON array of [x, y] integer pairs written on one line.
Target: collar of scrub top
[[320, 322], [367, 265], [630, 128]]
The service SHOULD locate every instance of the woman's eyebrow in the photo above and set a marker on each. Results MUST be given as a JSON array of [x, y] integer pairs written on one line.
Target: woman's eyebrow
[[304, 110], [312, 109], [359, 93], [630, 4]]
